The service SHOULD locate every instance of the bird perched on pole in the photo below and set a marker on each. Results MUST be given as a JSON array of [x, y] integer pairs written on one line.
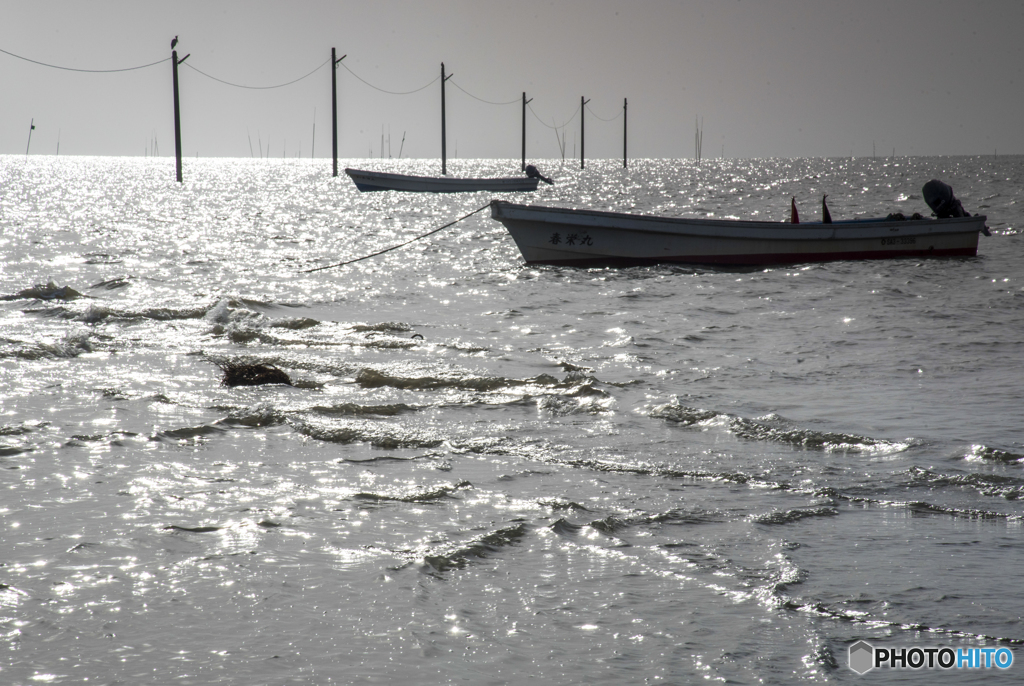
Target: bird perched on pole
[[174, 42]]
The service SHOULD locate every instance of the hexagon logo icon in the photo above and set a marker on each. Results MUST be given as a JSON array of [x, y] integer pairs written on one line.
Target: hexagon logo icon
[[862, 657]]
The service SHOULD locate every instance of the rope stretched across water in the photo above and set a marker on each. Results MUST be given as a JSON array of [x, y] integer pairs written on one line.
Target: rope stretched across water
[[395, 247]]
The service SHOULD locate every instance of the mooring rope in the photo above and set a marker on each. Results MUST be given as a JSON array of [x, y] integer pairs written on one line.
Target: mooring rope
[[395, 247]]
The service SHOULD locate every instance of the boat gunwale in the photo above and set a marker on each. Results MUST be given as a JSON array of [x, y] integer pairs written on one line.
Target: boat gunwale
[[727, 228], [437, 179]]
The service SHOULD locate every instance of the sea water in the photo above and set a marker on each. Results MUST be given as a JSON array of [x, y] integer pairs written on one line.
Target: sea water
[[492, 473]]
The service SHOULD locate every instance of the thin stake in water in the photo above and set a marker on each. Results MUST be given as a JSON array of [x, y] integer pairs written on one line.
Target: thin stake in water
[[31, 128]]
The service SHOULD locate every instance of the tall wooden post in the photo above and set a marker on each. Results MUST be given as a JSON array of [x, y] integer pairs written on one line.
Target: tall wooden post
[[582, 138], [624, 130], [31, 128], [444, 135], [583, 103], [334, 108], [525, 103], [177, 118], [334, 111], [177, 110]]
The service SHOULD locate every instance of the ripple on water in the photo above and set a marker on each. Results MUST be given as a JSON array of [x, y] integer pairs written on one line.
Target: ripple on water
[[677, 466]]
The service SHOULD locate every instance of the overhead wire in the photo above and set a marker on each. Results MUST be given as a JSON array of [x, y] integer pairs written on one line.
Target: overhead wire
[[307, 75], [382, 90], [304, 76], [239, 85], [489, 102], [91, 71], [602, 118], [567, 121]]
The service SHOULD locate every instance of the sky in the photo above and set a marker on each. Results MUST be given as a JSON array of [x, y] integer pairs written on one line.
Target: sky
[[767, 78]]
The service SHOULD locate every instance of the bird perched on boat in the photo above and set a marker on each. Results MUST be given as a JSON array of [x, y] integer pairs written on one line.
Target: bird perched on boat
[[174, 42], [826, 218], [794, 216], [531, 172]]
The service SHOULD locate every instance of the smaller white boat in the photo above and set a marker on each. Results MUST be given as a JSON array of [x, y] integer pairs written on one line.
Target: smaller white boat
[[381, 181], [558, 236]]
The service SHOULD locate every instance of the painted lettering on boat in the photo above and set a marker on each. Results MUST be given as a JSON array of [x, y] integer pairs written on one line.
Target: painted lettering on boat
[[900, 240], [571, 239]]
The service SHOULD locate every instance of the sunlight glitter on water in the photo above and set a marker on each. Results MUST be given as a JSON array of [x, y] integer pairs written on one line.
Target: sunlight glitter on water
[[666, 465]]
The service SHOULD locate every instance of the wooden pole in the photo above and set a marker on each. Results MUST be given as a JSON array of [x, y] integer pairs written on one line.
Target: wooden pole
[[444, 139], [698, 139], [583, 104], [177, 115], [31, 128], [334, 111], [624, 116], [525, 103], [334, 108]]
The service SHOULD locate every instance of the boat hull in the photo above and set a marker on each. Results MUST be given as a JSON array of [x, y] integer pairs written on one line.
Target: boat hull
[[588, 237], [380, 181]]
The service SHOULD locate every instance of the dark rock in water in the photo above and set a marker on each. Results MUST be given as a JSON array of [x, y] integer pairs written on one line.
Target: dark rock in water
[[48, 291], [245, 374]]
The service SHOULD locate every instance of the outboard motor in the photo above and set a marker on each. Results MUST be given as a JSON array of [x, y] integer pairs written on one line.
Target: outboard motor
[[940, 198], [531, 172]]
